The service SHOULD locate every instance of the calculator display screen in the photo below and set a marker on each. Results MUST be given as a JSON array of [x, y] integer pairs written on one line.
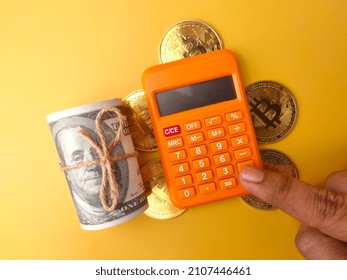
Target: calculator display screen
[[195, 96]]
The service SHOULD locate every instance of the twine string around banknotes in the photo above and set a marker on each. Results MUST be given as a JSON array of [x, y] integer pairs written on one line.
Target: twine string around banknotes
[[109, 190]]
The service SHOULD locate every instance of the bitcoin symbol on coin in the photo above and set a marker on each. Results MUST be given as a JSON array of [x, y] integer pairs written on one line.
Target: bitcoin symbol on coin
[[267, 112], [273, 110], [188, 38], [192, 46]]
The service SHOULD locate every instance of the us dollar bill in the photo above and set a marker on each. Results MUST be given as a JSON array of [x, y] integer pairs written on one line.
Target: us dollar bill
[[85, 182]]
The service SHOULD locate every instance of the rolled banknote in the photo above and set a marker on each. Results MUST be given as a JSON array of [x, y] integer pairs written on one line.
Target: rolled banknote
[[98, 157]]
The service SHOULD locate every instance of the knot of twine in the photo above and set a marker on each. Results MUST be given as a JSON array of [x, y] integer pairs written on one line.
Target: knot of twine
[[109, 183]]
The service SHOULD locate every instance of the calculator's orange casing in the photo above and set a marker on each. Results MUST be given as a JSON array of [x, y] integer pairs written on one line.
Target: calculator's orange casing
[[186, 72]]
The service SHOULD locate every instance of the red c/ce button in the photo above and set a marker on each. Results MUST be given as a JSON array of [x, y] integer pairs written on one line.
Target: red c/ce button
[[172, 130]]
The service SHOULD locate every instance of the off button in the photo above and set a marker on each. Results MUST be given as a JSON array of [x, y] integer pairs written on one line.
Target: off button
[[190, 126]]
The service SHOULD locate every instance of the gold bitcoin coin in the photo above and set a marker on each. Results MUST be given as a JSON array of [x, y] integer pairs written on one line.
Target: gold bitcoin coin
[[140, 124], [160, 206], [188, 38], [274, 161], [273, 110]]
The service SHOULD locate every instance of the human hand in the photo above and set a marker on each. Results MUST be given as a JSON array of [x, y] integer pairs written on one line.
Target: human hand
[[322, 211]]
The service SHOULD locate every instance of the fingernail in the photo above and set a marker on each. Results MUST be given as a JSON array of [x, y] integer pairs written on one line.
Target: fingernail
[[252, 174]]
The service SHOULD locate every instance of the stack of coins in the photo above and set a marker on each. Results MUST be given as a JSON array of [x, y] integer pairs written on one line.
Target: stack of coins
[[141, 129], [160, 206], [184, 39], [272, 106], [140, 124]]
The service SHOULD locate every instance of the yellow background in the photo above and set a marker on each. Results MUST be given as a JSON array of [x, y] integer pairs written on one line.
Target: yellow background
[[60, 54]]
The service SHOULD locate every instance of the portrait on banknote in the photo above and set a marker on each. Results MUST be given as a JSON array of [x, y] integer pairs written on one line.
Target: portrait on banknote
[[98, 158], [85, 182]]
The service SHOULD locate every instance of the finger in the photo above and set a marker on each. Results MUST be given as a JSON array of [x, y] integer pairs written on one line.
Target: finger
[[312, 243], [337, 182], [319, 208], [315, 245]]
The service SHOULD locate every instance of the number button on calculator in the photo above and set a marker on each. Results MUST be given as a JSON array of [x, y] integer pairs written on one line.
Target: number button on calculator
[[208, 155]]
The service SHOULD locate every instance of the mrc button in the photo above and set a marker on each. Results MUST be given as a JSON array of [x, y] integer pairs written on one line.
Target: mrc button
[[174, 143], [172, 130]]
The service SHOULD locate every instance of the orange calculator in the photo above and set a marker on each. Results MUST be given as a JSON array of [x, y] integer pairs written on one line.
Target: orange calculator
[[202, 126]]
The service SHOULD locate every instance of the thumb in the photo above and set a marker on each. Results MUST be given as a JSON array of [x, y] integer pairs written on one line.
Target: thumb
[[320, 208]]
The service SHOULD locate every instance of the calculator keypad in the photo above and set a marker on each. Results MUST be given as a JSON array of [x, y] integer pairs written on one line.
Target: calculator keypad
[[207, 155]]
